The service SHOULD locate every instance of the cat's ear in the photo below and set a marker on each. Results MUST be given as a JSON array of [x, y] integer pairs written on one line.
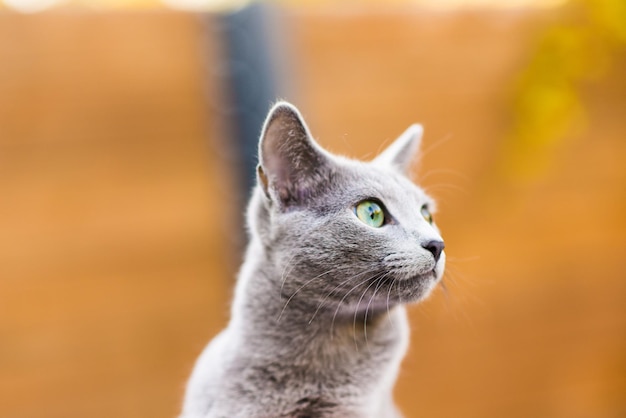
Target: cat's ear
[[401, 153], [291, 164]]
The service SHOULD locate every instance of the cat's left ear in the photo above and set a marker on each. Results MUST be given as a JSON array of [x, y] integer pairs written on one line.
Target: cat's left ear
[[292, 166], [401, 153]]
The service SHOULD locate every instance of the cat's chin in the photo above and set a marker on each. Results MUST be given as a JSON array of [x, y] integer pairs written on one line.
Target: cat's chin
[[392, 293], [418, 287]]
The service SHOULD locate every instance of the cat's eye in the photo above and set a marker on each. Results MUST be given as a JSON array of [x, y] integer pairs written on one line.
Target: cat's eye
[[370, 213], [426, 214]]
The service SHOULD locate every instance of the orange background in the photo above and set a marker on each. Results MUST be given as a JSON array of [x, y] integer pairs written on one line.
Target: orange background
[[119, 214]]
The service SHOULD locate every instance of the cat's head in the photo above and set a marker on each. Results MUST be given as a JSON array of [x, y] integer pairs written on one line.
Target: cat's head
[[345, 236]]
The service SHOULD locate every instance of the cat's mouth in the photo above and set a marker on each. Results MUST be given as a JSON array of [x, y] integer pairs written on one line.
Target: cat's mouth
[[416, 287], [431, 275], [390, 290], [428, 275]]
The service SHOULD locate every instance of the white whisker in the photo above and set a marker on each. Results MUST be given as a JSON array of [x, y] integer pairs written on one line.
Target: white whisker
[[285, 274], [379, 283], [302, 287], [393, 282], [332, 324], [319, 305], [356, 311], [435, 145]]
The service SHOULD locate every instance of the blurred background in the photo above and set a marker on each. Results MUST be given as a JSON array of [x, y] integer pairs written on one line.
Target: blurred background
[[127, 141]]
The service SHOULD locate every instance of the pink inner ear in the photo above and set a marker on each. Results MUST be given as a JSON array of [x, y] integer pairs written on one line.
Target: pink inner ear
[[290, 159], [286, 149]]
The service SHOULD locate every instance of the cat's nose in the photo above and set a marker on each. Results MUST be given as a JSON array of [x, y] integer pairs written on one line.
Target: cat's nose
[[435, 248]]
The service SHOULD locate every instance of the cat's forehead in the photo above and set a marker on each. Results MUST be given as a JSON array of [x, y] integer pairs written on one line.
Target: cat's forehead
[[372, 180]]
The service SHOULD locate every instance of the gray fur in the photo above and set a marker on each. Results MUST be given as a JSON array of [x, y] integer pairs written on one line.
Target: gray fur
[[318, 325]]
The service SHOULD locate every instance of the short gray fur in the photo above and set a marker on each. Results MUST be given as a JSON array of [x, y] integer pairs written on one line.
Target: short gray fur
[[318, 325]]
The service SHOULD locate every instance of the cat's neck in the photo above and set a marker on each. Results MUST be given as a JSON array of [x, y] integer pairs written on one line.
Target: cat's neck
[[265, 318]]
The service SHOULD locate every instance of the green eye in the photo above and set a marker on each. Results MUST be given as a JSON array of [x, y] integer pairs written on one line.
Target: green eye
[[370, 213], [426, 214]]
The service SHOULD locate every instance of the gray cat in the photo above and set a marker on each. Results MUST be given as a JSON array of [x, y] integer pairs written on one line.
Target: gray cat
[[318, 325]]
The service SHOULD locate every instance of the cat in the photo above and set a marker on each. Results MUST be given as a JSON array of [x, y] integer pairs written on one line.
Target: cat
[[337, 248]]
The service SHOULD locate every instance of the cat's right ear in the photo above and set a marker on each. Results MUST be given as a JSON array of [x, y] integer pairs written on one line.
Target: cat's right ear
[[291, 164]]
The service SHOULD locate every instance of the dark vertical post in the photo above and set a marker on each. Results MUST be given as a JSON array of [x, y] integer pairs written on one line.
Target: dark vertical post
[[251, 83]]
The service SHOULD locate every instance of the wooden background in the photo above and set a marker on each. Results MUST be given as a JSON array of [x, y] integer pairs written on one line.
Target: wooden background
[[118, 209]]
